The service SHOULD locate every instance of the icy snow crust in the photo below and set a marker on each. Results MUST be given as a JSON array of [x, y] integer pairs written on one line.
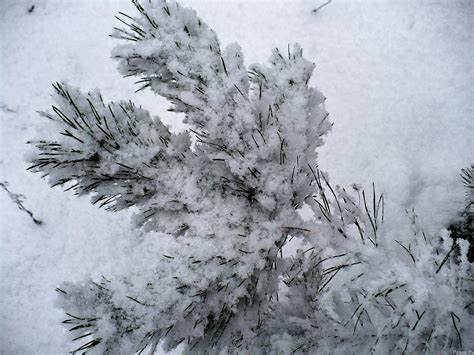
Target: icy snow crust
[[421, 106]]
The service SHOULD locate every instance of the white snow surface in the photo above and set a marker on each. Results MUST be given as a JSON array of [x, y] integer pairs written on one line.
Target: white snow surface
[[398, 77]]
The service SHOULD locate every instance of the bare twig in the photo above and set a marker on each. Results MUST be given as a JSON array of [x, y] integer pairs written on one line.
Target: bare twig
[[321, 6], [19, 199]]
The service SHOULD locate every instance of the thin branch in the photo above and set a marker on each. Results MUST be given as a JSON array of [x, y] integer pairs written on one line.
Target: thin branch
[[19, 199], [321, 6]]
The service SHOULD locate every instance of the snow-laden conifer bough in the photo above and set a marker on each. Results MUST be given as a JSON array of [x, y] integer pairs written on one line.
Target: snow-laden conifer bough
[[231, 199]]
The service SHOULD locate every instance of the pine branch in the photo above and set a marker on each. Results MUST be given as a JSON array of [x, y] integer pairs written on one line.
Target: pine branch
[[185, 65], [231, 200], [113, 151]]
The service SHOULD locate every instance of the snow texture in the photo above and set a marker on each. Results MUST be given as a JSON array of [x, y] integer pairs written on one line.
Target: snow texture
[[398, 77]]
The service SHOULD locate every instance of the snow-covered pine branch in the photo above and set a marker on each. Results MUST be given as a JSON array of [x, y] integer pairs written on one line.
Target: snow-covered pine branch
[[114, 151], [178, 56], [228, 281]]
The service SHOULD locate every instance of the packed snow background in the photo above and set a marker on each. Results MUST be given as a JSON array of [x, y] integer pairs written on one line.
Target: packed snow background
[[398, 76]]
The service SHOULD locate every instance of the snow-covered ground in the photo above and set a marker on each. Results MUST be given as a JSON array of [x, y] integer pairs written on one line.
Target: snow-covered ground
[[398, 76]]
